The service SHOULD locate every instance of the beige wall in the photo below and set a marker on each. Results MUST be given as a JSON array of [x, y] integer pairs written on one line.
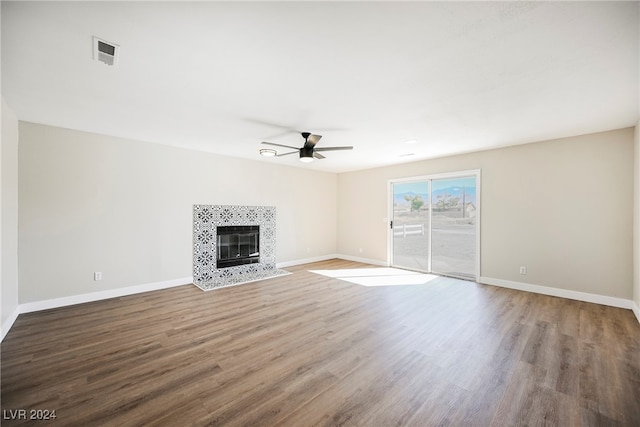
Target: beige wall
[[9, 219], [563, 208], [93, 203], [636, 223], [90, 203]]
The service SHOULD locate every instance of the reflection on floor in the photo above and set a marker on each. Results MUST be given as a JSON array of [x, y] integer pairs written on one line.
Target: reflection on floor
[[383, 276]]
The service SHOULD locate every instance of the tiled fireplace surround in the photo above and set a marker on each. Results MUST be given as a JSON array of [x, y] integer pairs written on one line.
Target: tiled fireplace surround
[[206, 220]]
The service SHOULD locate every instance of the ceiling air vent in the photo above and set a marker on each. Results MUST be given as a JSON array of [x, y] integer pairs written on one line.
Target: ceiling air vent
[[105, 51]]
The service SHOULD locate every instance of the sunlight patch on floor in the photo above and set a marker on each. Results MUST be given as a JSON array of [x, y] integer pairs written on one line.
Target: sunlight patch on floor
[[385, 276]]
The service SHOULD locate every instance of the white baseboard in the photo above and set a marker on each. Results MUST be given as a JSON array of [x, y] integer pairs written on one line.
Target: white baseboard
[[562, 293], [636, 311], [328, 257], [305, 260], [6, 326], [97, 296], [363, 260]]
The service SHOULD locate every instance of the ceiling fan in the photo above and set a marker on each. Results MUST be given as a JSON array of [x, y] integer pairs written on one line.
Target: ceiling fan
[[308, 151]]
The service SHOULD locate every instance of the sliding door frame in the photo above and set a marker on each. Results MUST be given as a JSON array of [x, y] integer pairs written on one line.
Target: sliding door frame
[[476, 173]]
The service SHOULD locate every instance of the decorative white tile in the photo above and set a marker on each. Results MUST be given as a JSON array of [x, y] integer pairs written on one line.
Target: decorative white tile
[[207, 219]]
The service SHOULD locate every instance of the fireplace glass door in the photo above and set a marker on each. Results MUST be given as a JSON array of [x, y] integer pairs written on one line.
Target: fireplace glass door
[[238, 245]]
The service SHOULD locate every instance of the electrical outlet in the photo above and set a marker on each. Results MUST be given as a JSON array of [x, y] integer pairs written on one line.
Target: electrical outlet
[[523, 270], [97, 275], [360, 250]]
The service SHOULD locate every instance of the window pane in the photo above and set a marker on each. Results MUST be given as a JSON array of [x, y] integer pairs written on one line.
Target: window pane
[[453, 243], [411, 225]]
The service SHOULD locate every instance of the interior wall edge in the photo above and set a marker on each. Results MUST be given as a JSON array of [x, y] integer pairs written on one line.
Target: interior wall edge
[[8, 323]]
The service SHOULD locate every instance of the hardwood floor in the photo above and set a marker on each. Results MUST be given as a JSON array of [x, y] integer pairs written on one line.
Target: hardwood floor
[[305, 349]]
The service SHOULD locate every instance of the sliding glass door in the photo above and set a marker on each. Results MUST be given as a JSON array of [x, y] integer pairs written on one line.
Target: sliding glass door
[[435, 224]]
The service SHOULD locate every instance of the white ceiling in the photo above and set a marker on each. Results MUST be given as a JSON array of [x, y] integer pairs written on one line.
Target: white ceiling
[[223, 76]]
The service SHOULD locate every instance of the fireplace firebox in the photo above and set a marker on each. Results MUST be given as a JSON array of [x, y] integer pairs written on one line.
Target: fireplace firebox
[[238, 245]]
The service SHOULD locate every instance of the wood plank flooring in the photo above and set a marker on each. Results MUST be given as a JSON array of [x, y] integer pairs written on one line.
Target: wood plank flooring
[[308, 350]]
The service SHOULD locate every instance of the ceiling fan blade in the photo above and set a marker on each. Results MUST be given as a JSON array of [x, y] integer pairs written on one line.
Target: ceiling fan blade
[[333, 148], [311, 140], [318, 155], [280, 145], [286, 154], [287, 129]]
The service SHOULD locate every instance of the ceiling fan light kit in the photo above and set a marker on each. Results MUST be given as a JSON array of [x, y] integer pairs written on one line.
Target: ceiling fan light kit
[[268, 152], [307, 152]]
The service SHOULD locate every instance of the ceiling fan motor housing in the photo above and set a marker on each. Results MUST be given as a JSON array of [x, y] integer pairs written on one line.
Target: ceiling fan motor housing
[[306, 152]]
